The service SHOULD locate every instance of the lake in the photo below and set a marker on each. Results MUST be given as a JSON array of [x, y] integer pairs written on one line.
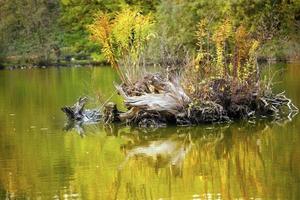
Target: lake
[[42, 157]]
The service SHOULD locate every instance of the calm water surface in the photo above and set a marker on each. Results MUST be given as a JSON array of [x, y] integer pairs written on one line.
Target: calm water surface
[[42, 158]]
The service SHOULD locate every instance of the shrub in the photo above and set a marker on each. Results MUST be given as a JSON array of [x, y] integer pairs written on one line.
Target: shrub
[[123, 39]]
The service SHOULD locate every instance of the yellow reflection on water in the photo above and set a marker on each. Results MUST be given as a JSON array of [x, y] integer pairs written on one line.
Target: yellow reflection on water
[[39, 160]]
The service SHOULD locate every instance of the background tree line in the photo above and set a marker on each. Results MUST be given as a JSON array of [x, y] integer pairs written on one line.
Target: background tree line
[[43, 32]]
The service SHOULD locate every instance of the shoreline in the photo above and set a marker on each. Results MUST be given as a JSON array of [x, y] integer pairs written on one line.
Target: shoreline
[[90, 63], [77, 63]]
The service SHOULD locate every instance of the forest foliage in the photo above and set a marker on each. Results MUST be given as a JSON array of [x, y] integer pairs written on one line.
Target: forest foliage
[[41, 31]]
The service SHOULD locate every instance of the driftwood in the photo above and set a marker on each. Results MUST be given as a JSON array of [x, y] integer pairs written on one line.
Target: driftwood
[[79, 114], [153, 101], [157, 94], [157, 101]]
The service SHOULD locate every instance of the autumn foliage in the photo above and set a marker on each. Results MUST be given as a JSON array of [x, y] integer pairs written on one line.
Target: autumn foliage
[[219, 82], [123, 38]]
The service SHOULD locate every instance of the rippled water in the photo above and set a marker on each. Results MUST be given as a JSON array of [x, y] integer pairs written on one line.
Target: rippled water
[[40, 159]]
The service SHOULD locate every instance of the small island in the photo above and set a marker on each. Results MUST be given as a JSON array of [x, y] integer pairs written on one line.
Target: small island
[[219, 81]]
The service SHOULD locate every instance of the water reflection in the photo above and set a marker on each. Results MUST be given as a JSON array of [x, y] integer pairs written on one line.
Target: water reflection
[[79, 127], [224, 161], [160, 153], [238, 160], [39, 160]]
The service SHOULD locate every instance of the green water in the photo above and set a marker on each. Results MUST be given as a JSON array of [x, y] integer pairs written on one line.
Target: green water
[[41, 160]]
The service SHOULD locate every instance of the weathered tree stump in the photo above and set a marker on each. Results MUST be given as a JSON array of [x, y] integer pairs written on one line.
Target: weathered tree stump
[[157, 101]]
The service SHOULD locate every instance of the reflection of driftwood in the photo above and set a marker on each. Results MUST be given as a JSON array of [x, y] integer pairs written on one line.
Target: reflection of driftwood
[[161, 153], [80, 127], [77, 126]]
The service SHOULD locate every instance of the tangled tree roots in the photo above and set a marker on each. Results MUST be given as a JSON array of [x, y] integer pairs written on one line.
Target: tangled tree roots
[[157, 101]]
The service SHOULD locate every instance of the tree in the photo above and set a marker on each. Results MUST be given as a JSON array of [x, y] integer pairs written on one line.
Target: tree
[[29, 28]]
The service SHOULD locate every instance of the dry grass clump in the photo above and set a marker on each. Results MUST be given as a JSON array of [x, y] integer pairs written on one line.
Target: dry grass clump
[[224, 77]]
